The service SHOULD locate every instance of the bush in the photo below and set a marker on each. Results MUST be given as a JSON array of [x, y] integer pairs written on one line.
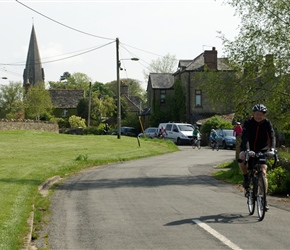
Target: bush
[[278, 181], [77, 122], [214, 123]]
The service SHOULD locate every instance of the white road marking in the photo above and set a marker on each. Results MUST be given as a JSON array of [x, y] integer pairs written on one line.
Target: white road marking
[[216, 234]]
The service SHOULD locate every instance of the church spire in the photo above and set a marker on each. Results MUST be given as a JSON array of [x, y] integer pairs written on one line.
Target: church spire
[[33, 72]]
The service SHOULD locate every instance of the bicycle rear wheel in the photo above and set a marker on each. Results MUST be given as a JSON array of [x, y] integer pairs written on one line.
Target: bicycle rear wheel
[[251, 196], [261, 196]]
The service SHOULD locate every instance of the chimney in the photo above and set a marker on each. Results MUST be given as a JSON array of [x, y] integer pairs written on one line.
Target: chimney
[[210, 59], [124, 89]]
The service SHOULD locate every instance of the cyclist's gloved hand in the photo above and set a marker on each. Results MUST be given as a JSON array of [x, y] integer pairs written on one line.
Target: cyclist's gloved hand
[[272, 152], [252, 153]]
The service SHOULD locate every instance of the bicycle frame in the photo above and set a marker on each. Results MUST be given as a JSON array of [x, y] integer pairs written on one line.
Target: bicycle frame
[[196, 143], [256, 194]]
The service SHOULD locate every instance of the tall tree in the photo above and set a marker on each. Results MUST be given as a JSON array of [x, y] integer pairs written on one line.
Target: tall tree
[[165, 64], [11, 100], [260, 57], [37, 102], [75, 81], [134, 86]]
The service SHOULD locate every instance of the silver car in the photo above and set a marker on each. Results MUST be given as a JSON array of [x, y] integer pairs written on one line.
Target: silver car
[[150, 132]]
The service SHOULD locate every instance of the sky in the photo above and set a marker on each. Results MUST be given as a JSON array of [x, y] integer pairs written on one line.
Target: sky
[[80, 36]]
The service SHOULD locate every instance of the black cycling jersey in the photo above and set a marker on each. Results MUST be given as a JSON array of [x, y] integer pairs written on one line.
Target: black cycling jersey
[[260, 135]]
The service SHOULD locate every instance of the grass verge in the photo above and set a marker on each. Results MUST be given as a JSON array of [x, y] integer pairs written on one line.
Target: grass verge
[[28, 158]]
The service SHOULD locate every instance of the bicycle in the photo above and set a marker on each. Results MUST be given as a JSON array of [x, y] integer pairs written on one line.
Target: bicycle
[[214, 145], [196, 142], [257, 193]]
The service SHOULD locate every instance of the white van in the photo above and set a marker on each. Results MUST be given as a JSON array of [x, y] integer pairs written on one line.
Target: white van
[[179, 133]]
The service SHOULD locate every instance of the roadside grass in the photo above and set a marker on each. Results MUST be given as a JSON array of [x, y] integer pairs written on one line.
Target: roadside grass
[[229, 172], [278, 179], [28, 158]]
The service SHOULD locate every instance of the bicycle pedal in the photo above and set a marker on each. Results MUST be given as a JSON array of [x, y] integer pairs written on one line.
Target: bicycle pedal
[[247, 193]]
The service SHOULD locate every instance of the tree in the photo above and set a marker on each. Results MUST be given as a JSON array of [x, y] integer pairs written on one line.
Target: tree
[[11, 100], [178, 105], [102, 107], [259, 58], [37, 102], [134, 87], [75, 81], [165, 64], [103, 89]]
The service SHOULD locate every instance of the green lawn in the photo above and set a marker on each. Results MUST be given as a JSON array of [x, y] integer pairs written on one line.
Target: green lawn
[[28, 158]]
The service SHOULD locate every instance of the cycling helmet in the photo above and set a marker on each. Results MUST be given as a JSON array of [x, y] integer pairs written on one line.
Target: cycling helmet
[[260, 107]]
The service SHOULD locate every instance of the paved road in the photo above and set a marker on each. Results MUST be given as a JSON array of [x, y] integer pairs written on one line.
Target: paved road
[[162, 202]]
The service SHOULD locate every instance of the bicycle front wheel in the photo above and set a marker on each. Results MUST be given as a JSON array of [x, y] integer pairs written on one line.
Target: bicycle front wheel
[[261, 196], [198, 144], [251, 196], [193, 144]]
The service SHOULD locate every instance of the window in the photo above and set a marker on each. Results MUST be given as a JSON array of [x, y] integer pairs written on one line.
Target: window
[[197, 98], [65, 113], [162, 96]]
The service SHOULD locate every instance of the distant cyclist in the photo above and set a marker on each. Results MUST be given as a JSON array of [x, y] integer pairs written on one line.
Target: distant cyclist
[[213, 136], [196, 133], [162, 131], [258, 135]]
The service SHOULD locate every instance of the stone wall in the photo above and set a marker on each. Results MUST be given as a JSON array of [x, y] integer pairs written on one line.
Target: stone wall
[[28, 125]]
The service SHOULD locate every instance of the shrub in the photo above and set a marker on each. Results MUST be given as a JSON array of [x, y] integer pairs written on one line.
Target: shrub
[[215, 122], [278, 181], [77, 122]]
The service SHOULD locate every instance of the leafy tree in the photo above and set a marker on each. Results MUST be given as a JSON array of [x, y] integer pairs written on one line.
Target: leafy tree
[[178, 105], [65, 76], [165, 64], [75, 81], [103, 89], [102, 107], [11, 100], [134, 87], [37, 102], [259, 58]]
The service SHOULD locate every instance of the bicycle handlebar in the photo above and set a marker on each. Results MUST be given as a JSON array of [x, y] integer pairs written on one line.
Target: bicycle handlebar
[[268, 154]]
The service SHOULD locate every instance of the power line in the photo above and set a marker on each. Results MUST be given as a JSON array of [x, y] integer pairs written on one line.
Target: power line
[[63, 23], [60, 59]]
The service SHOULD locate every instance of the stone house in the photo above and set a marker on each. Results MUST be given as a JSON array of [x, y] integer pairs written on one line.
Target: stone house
[[190, 73], [65, 101], [159, 88]]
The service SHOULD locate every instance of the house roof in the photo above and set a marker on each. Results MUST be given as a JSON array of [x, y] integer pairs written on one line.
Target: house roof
[[198, 64], [66, 98], [183, 63], [161, 80]]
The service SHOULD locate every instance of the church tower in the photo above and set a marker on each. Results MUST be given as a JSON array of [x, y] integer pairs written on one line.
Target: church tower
[[33, 72]]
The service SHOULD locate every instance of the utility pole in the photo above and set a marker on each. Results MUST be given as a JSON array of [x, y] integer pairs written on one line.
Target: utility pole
[[89, 109], [118, 90]]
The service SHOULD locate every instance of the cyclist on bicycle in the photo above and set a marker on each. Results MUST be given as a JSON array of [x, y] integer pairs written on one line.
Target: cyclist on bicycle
[[258, 135], [213, 135], [196, 133]]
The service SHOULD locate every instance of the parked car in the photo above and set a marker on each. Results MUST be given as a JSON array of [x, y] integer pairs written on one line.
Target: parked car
[[179, 133], [127, 131], [225, 138], [150, 132]]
